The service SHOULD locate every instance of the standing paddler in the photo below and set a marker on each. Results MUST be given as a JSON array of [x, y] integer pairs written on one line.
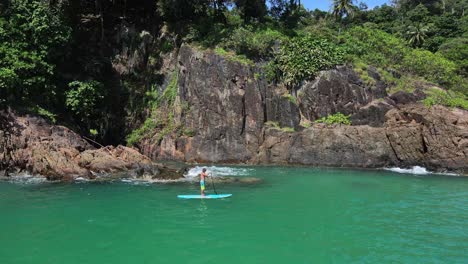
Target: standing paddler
[[203, 174]]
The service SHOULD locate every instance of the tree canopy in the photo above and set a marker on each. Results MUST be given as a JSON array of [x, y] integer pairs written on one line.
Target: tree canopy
[[59, 56]]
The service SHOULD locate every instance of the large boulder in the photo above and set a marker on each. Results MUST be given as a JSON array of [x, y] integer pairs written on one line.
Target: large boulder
[[436, 138], [337, 146], [31, 144], [372, 114], [337, 90]]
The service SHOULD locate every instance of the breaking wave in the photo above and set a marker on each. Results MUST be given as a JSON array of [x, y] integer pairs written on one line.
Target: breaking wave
[[26, 179], [147, 181], [417, 170], [218, 171]]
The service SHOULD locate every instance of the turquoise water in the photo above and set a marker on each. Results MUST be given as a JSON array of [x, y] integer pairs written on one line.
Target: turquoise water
[[296, 215]]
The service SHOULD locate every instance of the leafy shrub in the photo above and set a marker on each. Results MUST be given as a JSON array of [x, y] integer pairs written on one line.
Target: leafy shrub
[[188, 132], [303, 57], [32, 36], [170, 93], [272, 124], [93, 132], [406, 83], [337, 118], [287, 129], [323, 29], [137, 135], [457, 51], [290, 98], [44, 113], [276, 125], [167, 46], [362, 69], [232, 56], [374, 47], [306, 124], [450, 99], [161, 120], [431, 66], [83, 98], [254, 43], [378, 48]]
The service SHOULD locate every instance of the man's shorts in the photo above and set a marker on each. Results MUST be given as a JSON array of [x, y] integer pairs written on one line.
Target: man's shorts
[[202, 185]]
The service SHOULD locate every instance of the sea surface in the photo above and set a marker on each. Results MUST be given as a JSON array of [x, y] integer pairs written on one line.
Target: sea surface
[[295, 215]]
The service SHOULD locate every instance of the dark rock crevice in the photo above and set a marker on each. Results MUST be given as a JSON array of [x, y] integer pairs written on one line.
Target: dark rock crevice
[[244, 115], [390, 143]]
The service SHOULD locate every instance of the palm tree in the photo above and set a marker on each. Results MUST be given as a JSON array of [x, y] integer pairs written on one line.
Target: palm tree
[[417, 35], [343, 7]]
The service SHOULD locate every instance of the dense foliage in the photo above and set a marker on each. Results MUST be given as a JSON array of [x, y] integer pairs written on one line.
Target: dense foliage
[[450, 99], [32, 36], [301, 58], [337, 118], [62, 59], [83, 100]]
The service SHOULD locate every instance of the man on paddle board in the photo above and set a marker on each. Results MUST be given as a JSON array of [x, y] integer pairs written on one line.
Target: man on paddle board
[[203, 174]]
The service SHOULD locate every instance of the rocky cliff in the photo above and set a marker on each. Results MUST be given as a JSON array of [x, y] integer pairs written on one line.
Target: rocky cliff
[[237, 116], [32, 145]]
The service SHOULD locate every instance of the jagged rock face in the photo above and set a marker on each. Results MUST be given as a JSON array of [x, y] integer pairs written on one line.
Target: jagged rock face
[[228, 108], [340, 146], [225, 106], [281, 109], [339, 90], [33, 145], [436, 138], [372, 114]]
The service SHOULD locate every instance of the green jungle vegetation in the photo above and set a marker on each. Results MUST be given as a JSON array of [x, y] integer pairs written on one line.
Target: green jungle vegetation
[[337, 118], [56, 56]]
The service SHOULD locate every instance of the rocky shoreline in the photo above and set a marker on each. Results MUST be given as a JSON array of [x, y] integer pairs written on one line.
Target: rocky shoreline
[[34, 150], [30, 144], [238, 116]]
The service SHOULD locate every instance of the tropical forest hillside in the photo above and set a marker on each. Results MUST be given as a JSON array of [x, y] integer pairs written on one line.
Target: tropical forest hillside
[[233, 80]]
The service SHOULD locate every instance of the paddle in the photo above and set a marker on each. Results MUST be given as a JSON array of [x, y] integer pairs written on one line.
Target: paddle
[[212, 183]]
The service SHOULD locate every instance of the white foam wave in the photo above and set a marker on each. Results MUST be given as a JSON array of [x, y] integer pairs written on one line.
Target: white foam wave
[[81, 179], [126, 180], [27, 179], [417, 170], [218, 171], [147, 181], [414, 170]]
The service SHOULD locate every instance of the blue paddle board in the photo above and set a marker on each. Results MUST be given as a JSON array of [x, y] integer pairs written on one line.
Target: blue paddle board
[[207, 196]]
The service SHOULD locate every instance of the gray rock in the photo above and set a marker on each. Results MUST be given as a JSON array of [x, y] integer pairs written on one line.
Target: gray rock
[[333, 91], [229, 106]]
